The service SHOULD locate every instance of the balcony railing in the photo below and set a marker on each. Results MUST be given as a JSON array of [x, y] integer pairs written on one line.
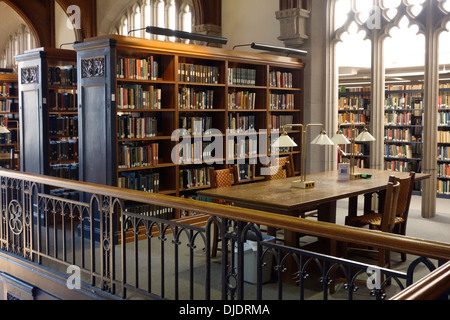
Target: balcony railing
[[117, 243]]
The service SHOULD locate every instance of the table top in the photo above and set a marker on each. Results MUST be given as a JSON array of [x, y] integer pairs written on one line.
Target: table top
[[278, 195]]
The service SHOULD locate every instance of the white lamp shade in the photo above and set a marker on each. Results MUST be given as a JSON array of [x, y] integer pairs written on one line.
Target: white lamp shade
[[365, 136], [339, 138], [284, 141], [322, 139], [3, 129]]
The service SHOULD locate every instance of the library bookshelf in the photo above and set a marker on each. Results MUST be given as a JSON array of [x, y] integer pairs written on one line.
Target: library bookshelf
[[9, 142], [353, 110], [48, 112], [155, 115]]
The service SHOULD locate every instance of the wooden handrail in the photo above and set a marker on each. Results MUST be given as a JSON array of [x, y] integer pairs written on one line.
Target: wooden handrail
[[430, 287], [410, 245]]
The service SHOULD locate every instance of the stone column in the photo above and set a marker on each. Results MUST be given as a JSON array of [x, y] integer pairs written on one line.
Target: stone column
[[430, 101]]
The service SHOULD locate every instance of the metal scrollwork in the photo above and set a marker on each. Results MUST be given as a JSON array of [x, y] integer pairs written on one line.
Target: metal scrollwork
[[15, 217], [29, 75], [93, 67]]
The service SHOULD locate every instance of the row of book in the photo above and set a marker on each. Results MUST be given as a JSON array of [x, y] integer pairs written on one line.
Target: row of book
[[443, 118], [443, 153], [358, 149], [358, 162], [398, 166], [7, 90], [443, 136], [63, 126], [188, 72], [285, 101], [403, 135], [444, 101], [62, 75], [10, 137], [241, 76], [138, 68], [279, 121], [241, 100], [443, 170], [130, 127], [132, 155], [279, 79], [352, 117], [148, 182], [443, 186], [62, 101], [240, 123], [400, 118], [9, 106], [353, 103], [63, 150], [193, 152], [404, 102], [194, 177], [402, 151], [137, 96], [153, 210], [196, 125], [245, 147], [190, 98], [404, 87], [66, 171]]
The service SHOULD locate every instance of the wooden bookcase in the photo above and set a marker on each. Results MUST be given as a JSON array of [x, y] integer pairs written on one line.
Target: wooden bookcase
[[9, 142], [191, 88], [48, 112], [354, 108]]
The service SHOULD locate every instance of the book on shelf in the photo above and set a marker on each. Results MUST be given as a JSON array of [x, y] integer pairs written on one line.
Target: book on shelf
[[279, 79], [284, 101], [136, 127], [238, 123], [241, 100], [194, 177], [443, 187], [136, 96], [196, 125], [190, 98], [443, 136], [133, 155], [241, 76], [246, 171], [63, 149], [153, 210], [9, 105], [63, 126], [62, 75], [278, 121], [188, 72], [398, 165], [148, 182], [7, 90], [138, 68], [443, 153], [443, 170], [62, 101]]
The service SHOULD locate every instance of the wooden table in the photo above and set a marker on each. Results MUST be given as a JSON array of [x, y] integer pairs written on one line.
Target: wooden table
[[277, 196]]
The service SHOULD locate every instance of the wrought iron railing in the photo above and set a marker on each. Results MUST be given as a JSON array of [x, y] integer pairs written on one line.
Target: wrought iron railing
[[136, 245]]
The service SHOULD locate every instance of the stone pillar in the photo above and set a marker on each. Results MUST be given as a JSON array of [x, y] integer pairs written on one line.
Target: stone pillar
[[377, 102], [430, 101]]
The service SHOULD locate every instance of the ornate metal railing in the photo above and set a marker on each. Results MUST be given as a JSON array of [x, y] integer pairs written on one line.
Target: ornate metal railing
[[132, 244]]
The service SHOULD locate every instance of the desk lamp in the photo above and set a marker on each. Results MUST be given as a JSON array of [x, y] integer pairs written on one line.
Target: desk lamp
[[285, 141]]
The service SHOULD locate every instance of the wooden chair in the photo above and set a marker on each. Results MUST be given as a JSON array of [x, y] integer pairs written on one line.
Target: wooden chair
[[220, 179], [374, 219], [387, 222]]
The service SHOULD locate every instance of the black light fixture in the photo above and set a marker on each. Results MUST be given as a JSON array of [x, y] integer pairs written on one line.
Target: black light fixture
[[182, 34], [267, 47]]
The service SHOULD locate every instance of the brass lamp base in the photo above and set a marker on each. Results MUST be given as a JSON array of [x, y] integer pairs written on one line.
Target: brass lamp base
[[355, 176], [302, 184]]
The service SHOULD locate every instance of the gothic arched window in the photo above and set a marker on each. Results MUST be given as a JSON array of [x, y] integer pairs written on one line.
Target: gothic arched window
[[171, 14]]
